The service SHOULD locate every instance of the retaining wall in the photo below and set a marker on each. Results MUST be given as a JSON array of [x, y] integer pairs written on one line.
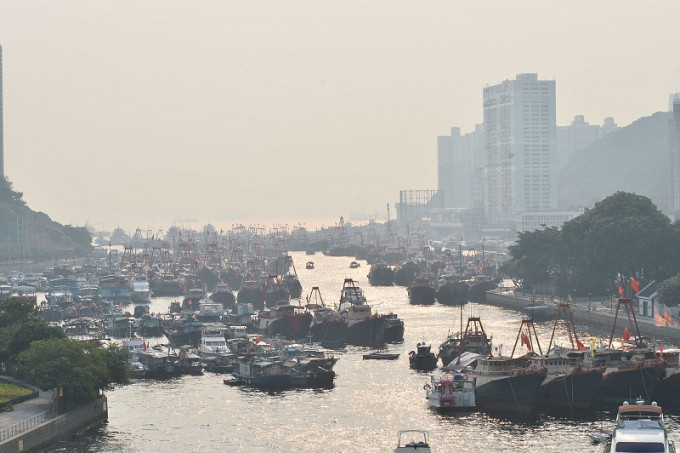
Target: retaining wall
[[58, 428]]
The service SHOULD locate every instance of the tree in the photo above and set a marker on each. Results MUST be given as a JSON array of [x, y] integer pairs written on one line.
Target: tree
[[669, 291], [539, 260], [623, 235], [16, 309], [81, 368], [26, 332]]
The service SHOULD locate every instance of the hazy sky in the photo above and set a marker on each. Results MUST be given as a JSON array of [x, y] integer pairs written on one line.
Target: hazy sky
[[145, 113]]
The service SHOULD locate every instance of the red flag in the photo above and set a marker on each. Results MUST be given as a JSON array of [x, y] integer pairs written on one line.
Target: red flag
[[667, 316], [626, 335], [634, 284], [525, 341], [580, 346], [659, 320], [621, 290]]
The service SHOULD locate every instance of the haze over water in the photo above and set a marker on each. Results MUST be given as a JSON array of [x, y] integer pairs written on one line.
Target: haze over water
[[370, 402]]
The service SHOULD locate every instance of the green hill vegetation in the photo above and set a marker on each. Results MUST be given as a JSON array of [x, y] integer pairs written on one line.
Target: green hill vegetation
[[633, 159], [29, 235]]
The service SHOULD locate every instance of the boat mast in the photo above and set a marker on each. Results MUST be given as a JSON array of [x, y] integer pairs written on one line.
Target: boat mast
[[628, 305], [564, 312], [529, 323]]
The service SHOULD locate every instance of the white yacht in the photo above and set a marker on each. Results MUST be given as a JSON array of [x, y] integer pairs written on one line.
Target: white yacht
[[213, 345], [640, 427]]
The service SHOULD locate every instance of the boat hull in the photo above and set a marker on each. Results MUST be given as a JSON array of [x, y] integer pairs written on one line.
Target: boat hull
[[515, 395], [571, 392], [421, 295], [293, 327], [330, 334], [369, 332], [620, 385], [394, 329]]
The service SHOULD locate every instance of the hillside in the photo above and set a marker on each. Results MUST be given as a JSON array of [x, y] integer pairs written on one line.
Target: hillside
[[26, 234], [633, 159]]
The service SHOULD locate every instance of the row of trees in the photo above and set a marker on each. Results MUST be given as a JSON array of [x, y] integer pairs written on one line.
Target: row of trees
[[622, 236], [44, 356]]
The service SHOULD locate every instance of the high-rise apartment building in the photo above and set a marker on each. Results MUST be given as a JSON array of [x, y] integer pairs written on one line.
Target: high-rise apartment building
[[521, 148], [457, 157], [674, 142], [2, 149], [578, 135]]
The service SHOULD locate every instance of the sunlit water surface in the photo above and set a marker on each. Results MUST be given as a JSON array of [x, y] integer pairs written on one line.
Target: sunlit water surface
[[370, 402]]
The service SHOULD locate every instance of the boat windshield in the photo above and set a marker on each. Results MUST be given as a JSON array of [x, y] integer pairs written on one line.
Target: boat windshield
[[640, 447]]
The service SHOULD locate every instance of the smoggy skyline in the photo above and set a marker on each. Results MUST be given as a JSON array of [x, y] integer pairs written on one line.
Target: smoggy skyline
[[158, 112]]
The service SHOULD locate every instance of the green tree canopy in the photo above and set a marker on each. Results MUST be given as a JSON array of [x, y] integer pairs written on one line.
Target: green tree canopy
[[14, 310], [669, 291], [24, 333], [623, 235], [81, 368]]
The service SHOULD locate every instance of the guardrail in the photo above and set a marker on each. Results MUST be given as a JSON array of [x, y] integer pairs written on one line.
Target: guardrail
[[22, 426]]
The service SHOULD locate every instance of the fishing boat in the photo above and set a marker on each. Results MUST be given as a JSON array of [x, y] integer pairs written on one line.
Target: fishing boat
[[222, 294], [328, 327], [354, 265], [422, 358], [422, 291], [251, 290], [413, 441], [286, 320], [380, 274], [363, 327], [640, 428], [570, 385], [476, 341], [192, 297], [450, 392], [394, 328], [503, 385], [261, 372]]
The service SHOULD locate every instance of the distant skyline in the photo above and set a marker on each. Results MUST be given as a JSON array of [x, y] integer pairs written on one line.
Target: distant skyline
[[138, 114]]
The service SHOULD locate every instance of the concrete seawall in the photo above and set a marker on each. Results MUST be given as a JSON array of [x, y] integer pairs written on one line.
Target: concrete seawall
[[58, 428], [594, 317]]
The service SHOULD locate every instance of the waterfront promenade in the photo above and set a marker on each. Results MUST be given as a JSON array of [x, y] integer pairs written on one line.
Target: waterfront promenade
[[32, 409], [594, 314]]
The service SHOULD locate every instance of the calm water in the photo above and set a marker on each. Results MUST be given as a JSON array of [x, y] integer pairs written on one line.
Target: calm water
[[370, 402]]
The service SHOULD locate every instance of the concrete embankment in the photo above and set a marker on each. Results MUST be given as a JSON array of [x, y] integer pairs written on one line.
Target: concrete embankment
[[58, 428], [593, 317]]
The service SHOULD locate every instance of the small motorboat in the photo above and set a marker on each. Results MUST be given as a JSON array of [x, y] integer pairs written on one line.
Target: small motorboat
[[381, 356], [450, 392], [309, 265], [353, 265], [413, 440]]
